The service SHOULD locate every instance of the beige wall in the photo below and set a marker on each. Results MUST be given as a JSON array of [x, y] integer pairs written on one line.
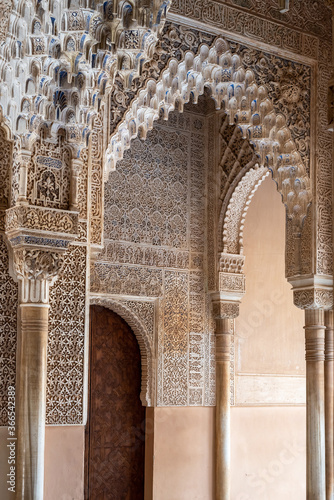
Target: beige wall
[[269, 331], [268, 453], [64, 463], [183, 453]]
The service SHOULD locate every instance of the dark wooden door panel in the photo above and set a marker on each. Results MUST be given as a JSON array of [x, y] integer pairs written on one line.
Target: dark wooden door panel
[[116, 425]]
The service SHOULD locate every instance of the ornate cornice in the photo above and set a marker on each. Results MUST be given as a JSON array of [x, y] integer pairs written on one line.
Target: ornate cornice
[[294, 30]]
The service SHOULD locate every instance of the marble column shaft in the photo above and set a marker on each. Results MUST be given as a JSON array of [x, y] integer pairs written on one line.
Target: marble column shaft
[[315, 408], [223, 458], [329, 404], [31, 403]]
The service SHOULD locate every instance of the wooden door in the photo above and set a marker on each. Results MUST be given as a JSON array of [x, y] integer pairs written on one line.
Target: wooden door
[[115, 436]]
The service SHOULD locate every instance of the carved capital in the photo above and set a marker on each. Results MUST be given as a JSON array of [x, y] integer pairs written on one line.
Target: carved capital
[[36, 270], [313, 292], [225, 310], [231, 278], [232, 283], [314, 298], [38, 237], [41, 221]]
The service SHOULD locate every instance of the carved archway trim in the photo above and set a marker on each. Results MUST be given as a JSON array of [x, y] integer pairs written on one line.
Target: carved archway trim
[[144, 341], [246, 104], [234, 218]]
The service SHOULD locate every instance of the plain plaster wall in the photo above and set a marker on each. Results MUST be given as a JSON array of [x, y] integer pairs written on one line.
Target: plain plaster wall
[[64, 462], [183, 453], [268, 453]]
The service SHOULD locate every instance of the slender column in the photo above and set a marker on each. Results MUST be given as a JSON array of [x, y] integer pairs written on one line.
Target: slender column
[[31, 401], [74, 184], [36, 271], [25, 158], [315, 427], [223, 458], [225, 309], [329, 406]]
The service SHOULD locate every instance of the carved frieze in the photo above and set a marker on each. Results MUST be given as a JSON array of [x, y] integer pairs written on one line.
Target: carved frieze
[[282, 31], [42, 221]]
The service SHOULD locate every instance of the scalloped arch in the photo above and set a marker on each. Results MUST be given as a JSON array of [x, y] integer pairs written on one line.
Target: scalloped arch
[[145, 345], [246, 104]]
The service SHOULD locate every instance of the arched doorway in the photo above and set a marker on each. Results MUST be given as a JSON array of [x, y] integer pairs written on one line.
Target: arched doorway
[[115, 436]]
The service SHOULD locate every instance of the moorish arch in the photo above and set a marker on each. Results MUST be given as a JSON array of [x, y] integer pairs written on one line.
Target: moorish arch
[[145, 345], [45, 104], [249, 108], [246, 104]]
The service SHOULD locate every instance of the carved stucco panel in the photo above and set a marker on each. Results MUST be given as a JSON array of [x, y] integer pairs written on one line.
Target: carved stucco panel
[[65, 368], [8, 330]]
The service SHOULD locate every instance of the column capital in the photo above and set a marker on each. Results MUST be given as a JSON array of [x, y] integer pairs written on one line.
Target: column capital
[[36, 270], [312, 292], [222, 308], [38, 238]]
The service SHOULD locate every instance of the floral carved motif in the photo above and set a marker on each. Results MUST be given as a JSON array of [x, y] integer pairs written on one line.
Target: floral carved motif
[[36, 270]]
